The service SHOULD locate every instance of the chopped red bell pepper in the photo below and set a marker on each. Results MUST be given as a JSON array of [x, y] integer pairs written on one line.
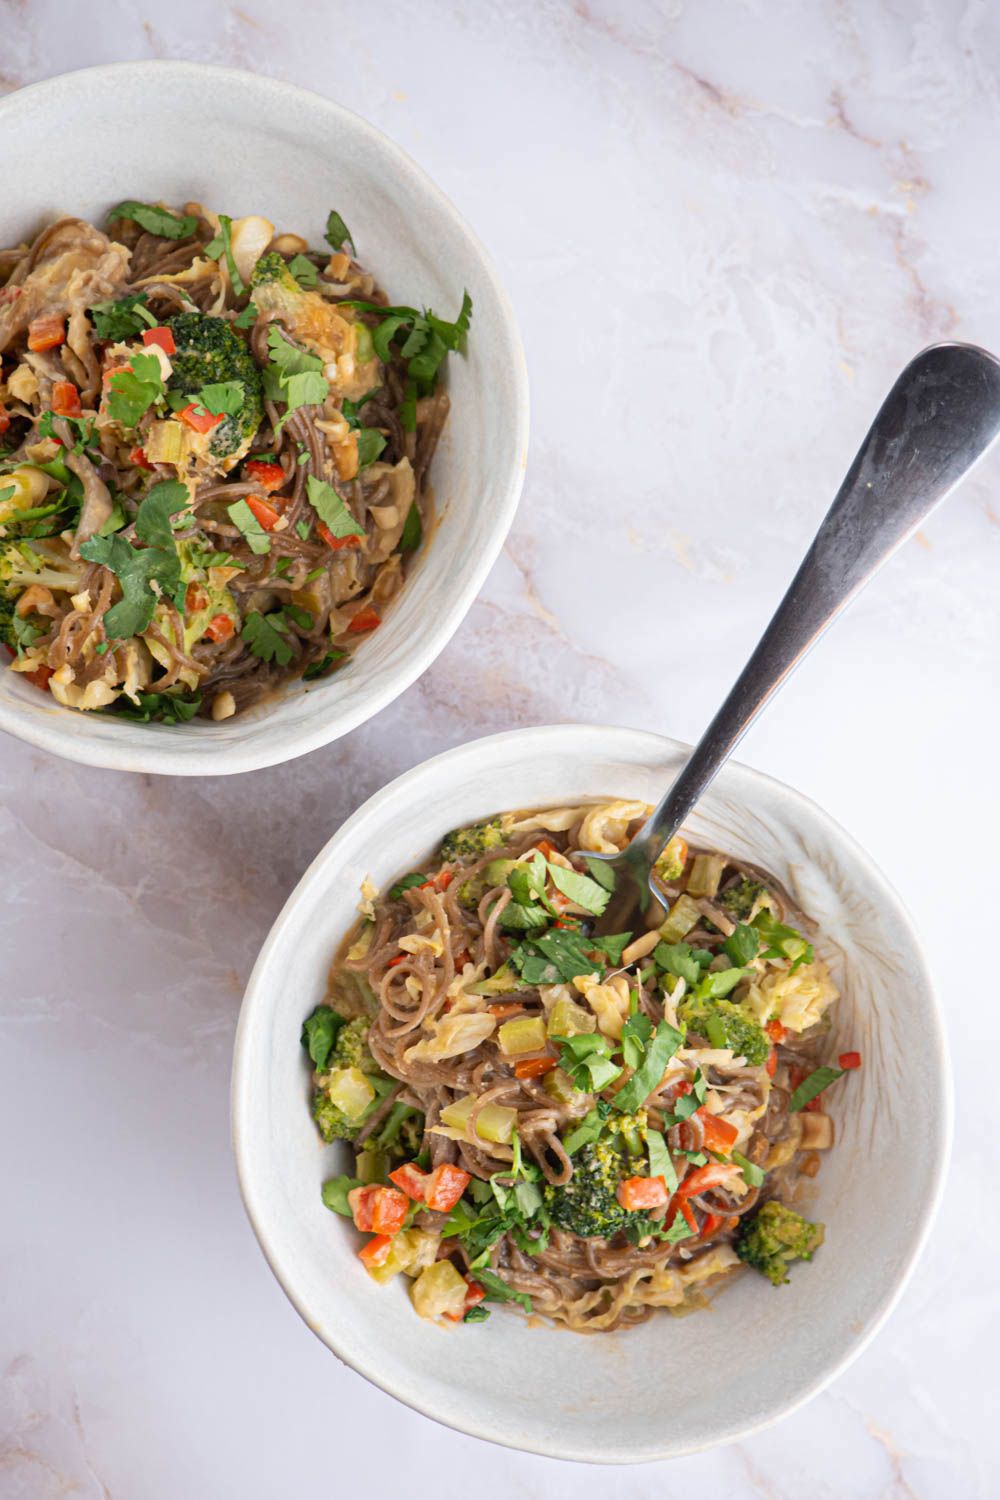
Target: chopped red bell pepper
[[39, 678], [389, 1210], [688, 1214], [445, 1185], [703, 1178], [397, 960], [771, 1066], [359, 1201], [266, 514], [162, 337], [365, 619], [849, 1060], [220, 628], [65, 399], [376, 1252], [411, 1179], [776, 1031], [195, 598], [533, 1067], [719, 1134], [4, 419], [197, 418], [642, 1193], [139, 459], [268, 474], [710, 1224], [46, 333], [474, 1294], [338, 543]]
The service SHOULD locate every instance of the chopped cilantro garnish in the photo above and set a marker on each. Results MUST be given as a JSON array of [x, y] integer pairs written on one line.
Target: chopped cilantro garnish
[[659, 1050], [413, 530], [253, 532], [337, 233], [136, 568], [222, 245], [304, 271], [122, 319], [156, 220], [331, 508], [133, 391]]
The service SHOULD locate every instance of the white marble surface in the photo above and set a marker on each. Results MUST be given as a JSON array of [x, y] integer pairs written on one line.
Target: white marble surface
[[725, 226]]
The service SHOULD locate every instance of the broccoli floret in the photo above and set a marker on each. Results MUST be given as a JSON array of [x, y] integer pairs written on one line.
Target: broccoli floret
[[272, 269], [332, 1123], [741, 898], [724, 1023], [774, 1237], [477, 838], [350, 1050], [210, 353], [587, 1204], [7, 635]]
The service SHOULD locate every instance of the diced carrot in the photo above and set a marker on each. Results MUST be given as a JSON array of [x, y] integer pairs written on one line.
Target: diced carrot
[[39, 678], [195, 598], [771, 1066], [533, 1067], [445, 1185], [411, 1179], [544, 847], [376, 1252], [138, 457], [162, 337], [710, 1224], [65, 399], [642, 1192], [337, 542], [849, 1060], [720, 1135], [504, 1008], [198, 419], [365, 619], [220, 628], [776, 1031], [703, 1178], [46, 333], [461, 959], [269, 475], [359, 1201], [389, 1210]]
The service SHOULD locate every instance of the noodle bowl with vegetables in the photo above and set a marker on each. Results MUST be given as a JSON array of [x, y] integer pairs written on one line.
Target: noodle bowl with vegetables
[[588, 1127], [214, 450]]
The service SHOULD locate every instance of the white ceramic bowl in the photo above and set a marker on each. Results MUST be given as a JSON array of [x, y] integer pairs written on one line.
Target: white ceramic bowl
[[245, 144], [760, 1351]]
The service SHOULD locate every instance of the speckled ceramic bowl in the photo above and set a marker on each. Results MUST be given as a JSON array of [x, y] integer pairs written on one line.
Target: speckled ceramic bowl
[[669, 1386], [291, 155]]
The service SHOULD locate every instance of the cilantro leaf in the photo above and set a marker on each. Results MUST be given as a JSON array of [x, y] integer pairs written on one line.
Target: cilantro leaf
[[122, 319], [636, 1033], [222, 245], [589, 1128], [559, 954], [322, 667], [287, 358], [337, 233], [660, 1161], [304, 271], [152, 521], [131, 392], [742, 944], [497, 1289], [164, 708], [155, 220], [613, 946], [319, 1032], [263, 635], [136, 568], [476, 1315], [679, 1230], [717, 983], [579, 889], [331, 508], [226, 398], [679, 959], [586, 1058], [406, 883], [660, 1049], [518, 916], [253, 532], [601, 871], [753, 1175], [25, 634], [370, 445], [248, 317]]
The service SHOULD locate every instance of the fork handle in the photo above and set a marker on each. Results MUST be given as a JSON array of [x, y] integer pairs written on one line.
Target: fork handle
[[939, 419]]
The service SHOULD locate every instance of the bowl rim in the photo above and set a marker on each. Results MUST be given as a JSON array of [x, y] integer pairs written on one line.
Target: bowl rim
[[157, 755], [646, 746]]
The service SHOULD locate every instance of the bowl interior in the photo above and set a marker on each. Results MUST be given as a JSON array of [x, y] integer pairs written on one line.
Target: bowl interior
[[671, 1385], [292, 156]]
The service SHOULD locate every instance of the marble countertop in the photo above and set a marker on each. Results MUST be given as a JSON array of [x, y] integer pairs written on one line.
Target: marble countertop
[[725, 227]]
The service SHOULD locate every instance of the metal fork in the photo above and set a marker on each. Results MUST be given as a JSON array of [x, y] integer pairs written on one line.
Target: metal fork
[[937, 422]]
